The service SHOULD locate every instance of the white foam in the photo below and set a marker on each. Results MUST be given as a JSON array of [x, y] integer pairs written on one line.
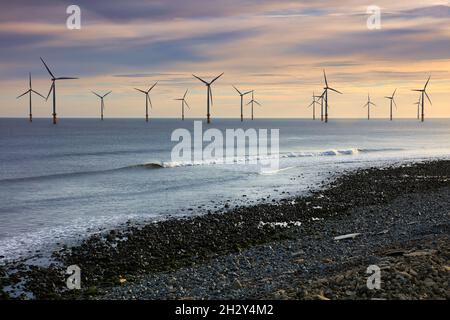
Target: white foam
[[255, 159], [45, 239]]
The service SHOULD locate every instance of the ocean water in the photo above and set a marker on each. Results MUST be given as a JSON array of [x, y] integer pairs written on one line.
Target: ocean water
[[61, 183]]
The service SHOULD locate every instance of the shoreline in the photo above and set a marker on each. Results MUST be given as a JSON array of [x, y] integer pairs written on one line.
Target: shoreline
[[124, 260]]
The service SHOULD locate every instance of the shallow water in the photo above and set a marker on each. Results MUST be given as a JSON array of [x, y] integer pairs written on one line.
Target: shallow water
[[58, 182]]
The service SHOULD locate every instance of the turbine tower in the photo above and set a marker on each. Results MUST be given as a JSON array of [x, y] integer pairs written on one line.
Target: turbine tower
[[327, 87], [242, 100], [368, 105], [321, 106], [418, 106], [53, 88], [147, 99], [313, 104], [392, 101], [102, 103], [423, 94], [183, 103], [30, 91], [209, 95], [253, 101]]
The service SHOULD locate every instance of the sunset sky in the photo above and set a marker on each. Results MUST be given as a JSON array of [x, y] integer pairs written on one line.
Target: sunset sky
[[277, 48]]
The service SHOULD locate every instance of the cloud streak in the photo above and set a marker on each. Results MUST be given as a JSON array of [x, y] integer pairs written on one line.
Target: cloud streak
[[278, 48]]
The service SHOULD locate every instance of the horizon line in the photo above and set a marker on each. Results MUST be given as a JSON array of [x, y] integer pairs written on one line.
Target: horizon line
[[228, 118]]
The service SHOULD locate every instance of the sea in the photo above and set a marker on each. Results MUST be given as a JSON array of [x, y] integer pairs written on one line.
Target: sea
[[62, 183]]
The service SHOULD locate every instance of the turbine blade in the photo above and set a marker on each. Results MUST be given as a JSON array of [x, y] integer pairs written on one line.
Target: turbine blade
[[201, 79], [335, 90], [186, 104], [65, 78], [152, 87], [28, 91], [240, 93], [35, 92], [185, 94], [428, 97], [248, 92], [217, 78], [97, 94], [140, 90], [426, 84], [51, 88], [48, 69], [393, 95], [150, 100], [107, 94], [325, 76], [211, 95], [30, 79], [259, 104]]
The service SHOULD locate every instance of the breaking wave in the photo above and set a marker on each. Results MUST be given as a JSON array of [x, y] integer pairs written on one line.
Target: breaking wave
[[205, 162], [219, 161]]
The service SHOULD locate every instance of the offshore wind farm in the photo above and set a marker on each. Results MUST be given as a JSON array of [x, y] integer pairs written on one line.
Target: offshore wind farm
[[323, 98], [281, 150]]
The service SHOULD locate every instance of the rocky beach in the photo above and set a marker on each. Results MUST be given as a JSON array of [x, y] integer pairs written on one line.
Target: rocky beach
[[317, 247]]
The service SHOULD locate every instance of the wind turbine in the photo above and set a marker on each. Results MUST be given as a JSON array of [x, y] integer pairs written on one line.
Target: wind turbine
[[102, 103], [424, 93], [313, 104], [368, 104], [30, 91], [209, 95], [53, 88], [253, 101], [147, 99], [183, 103], [392, 99], [242, 101], [326, 95]]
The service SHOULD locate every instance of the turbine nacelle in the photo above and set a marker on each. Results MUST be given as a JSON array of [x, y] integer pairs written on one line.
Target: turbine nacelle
[[100, 96]]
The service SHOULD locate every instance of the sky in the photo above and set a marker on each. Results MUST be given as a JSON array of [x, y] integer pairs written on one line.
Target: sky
[[277, 48]]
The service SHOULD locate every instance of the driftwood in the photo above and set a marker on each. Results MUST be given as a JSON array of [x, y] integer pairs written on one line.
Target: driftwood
[[347, 236]]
